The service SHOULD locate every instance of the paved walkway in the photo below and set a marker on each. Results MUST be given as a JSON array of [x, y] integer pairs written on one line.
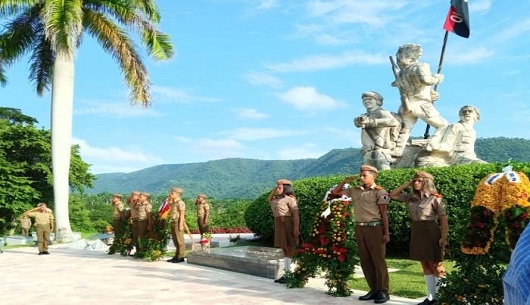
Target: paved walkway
[[73, 276]]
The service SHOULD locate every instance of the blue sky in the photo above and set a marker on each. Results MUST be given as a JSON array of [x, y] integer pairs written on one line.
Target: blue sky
[[282, 79]]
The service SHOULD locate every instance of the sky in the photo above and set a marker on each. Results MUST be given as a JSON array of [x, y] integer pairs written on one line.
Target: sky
[[282, 79]]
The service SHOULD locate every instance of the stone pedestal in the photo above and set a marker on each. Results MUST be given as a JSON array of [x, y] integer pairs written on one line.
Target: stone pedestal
[[258, 261], [413, 151]]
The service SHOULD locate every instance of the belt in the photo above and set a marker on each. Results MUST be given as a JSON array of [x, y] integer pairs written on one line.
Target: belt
[[368, 224]]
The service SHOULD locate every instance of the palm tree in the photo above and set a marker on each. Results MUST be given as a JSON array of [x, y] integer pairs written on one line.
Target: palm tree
[[50, 31]]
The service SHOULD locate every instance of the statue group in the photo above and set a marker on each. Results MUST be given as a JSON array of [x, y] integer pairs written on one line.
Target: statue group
[[385, 135]]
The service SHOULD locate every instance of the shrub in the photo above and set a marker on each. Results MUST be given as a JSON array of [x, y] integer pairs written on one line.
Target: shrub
[[456, 184]]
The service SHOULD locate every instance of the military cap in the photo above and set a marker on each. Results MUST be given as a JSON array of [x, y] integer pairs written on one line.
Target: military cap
[[285, 181], [373, 94], [145, 194], [177, 190], [368, 168], [202, 196], [117, 195], [135, 193], [422, 174]]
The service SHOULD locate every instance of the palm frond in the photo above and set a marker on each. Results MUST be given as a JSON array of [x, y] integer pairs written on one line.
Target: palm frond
[[14, 8], [63, 24], [115, 41], [41, 68]]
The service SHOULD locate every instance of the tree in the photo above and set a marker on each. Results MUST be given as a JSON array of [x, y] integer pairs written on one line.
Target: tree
[[51, 31], [25, 166]]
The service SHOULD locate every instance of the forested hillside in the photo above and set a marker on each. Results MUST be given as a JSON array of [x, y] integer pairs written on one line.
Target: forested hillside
[[248, 178]]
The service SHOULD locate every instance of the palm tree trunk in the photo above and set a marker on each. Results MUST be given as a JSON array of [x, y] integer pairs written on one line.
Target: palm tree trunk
[[61, 127]]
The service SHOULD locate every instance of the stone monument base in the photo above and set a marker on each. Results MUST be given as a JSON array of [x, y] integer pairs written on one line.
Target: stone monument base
[[258, 261]]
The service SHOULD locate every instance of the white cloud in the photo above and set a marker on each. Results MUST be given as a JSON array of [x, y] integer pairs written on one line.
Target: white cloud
[[479, 6], [266, 4], [116, 110], [266, 79], [252, 134], [305, 151], [167, 94], [249, 113], [372, 13], [308, 99], [114, 159], [514, 30], [326, 62], [474, 56]]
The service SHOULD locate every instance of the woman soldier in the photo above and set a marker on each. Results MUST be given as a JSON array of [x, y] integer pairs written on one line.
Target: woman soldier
[[428, 240], [286, 221]]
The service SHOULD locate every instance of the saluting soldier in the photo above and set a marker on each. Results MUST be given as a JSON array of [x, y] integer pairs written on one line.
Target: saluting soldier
[[145, 218], [370, 202], [117, 214], [44, 223], [177, 218], [286, 221], [25, 224], [132, 201], [203, 213]]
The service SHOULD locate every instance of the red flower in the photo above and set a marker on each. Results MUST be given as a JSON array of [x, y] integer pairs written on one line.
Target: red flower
[[516, 225], [342, 258], [307, 246], [480, 225], [203, 242], [300, 250], [323, 240]]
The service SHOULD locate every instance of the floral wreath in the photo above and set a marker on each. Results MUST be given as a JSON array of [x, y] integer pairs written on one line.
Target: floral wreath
[[330, 247], [504, 194]]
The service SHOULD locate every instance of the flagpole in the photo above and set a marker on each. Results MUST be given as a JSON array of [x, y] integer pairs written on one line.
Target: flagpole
[[426, 135]]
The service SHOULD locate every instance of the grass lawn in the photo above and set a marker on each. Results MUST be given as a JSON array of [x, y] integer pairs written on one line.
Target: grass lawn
[[407, 282]]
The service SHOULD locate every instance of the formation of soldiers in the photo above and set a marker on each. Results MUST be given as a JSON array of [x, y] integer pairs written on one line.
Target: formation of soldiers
[[140, 216]]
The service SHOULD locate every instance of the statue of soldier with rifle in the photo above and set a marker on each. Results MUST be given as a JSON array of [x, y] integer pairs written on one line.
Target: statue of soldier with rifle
[[414, 81]]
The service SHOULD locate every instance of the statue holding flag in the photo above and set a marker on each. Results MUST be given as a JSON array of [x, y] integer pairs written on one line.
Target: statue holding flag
[[414, 81]]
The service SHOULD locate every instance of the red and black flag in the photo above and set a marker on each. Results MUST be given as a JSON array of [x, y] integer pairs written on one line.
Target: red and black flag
[[457, 20]]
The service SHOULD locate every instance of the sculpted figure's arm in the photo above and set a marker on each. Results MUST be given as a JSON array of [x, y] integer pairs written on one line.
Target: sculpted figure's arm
[[426, 77]]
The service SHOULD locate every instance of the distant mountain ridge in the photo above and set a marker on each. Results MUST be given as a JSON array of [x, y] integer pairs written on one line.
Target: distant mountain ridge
[[248, 178]]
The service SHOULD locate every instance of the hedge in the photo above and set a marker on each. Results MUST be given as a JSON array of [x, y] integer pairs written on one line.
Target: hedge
[[456, 184]]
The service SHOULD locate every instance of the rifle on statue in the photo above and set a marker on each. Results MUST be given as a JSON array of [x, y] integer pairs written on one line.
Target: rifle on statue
[[399, 84]]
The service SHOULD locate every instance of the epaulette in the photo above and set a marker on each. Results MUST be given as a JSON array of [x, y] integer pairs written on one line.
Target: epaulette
[[437, 195], [378, 187]]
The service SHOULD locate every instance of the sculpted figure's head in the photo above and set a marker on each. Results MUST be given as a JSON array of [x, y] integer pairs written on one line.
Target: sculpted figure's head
[[372, 100], [469, 114], [407, 54]]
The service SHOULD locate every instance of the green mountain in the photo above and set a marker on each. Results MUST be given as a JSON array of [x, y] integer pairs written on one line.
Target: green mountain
[[249, 178]]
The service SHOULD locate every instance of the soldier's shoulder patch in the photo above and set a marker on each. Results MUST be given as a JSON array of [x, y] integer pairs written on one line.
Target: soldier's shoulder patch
[[385, 197], [437, 195]]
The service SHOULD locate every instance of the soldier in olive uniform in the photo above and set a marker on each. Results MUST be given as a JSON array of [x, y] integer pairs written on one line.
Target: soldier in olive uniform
[[370, 202], [25, 224], [178, 221], [427, 239], [44, 223], [203, 213], [145, 218], [132, 201], [117, 214], [286, 221]]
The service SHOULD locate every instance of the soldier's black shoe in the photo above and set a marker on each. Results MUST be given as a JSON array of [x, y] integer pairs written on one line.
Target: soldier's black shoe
[[381, 297], [280, 280], [41, 253], [45, 252], [171, 260], [369, 296], [178, 260]]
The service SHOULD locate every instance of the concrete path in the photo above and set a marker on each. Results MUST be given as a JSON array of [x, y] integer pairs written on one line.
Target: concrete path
[[74, 276]]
